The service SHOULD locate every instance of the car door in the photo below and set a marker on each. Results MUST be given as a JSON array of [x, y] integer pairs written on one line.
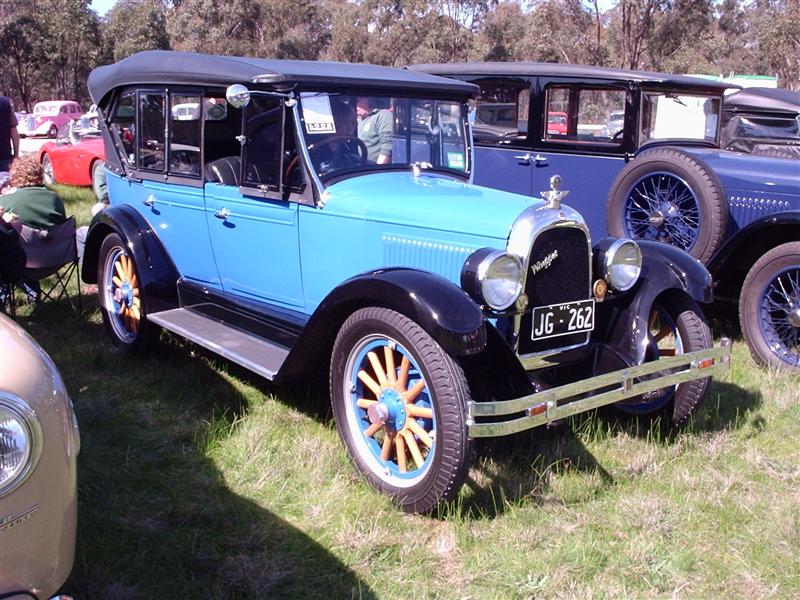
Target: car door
[[164, 183], [500, 126], [582, 131], [254, 226]]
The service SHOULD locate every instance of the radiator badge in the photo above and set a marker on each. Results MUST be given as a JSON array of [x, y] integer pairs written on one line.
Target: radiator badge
[[10, 521], [545, 262]]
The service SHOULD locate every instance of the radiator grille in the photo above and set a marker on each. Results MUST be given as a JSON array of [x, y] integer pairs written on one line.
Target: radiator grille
[[561, 259]]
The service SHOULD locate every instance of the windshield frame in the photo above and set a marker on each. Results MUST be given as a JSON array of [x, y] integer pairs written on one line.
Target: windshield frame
[[324, 180]]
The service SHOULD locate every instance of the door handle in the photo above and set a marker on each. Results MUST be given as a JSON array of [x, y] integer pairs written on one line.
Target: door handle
[[149, 201], [524, 159], [222, 213], [539, 159]]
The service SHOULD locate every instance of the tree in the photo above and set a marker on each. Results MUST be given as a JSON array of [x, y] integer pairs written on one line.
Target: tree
[[136, 25], [21, 40]]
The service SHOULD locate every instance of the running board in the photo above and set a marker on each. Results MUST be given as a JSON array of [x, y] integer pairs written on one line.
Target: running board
[[249, 351]]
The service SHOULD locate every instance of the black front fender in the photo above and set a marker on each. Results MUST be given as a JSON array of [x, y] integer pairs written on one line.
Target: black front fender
[[157, 273], [440, 307], [622, 322]]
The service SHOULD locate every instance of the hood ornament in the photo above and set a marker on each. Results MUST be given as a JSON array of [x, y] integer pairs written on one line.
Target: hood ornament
[[555, 195]]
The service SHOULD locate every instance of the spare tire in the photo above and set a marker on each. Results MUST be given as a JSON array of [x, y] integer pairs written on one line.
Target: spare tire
[[670, 196]]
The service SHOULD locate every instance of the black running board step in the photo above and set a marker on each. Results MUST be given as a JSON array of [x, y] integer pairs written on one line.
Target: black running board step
[[249, 351]]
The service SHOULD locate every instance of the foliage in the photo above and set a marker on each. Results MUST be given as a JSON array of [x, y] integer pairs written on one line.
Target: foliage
[[51, 45]]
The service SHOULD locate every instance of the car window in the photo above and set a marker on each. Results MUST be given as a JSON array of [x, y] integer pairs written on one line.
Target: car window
[[184, 135], [264, 138], [501, 114], [123, 125], [151, 134], [589, 115], [679, 116]]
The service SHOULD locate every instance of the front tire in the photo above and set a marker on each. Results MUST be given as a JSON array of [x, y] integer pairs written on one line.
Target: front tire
[[121, 297], [52, 132], [674, 327], [669, 196], [47, 170], [399, 401], [769, 308]]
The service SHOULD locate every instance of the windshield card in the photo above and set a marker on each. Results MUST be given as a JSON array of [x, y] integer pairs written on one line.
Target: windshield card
[[455, 160], [317, 115]]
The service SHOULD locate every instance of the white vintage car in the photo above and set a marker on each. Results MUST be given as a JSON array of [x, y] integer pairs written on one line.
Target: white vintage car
[[39, 444]]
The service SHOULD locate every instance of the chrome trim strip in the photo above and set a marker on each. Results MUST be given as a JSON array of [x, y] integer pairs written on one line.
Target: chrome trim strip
[[23, 410], [623, 381]]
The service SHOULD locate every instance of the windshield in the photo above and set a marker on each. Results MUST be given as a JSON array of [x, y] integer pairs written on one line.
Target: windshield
[[679, 116], [352, 134], [46, 109]]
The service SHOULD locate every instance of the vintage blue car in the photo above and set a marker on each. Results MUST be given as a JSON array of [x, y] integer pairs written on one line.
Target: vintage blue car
[[643, 157], [319, 217]]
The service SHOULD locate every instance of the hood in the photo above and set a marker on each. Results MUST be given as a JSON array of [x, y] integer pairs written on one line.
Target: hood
[[428, 201], [748, 173]]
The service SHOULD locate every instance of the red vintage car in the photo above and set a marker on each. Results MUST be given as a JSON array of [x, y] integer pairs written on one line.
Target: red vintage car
[[77, 158]]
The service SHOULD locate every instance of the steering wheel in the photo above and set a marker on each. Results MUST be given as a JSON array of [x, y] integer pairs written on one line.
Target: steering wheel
[[346, 140]]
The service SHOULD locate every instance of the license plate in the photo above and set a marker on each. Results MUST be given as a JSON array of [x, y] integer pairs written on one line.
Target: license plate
[[562, 319]]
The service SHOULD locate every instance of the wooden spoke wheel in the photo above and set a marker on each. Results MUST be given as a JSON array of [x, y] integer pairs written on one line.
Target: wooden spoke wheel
[[399, 402], [674, 328], [121, 297]]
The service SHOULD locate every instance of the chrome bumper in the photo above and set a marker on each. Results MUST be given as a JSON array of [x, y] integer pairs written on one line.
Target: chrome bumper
[[574, 398]]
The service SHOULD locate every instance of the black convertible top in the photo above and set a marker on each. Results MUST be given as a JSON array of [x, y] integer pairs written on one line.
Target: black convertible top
[[162, 67], [758, 99], [572, 71]]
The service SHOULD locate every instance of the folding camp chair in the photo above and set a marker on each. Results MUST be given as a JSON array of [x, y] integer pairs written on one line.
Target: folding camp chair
[[53, 253]]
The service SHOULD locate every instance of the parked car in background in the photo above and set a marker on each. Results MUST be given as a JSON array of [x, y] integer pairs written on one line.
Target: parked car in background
[[663, 175], [75, 158], [49, 117], [39, 445], [441, 311], [89, 122], [762, 121]]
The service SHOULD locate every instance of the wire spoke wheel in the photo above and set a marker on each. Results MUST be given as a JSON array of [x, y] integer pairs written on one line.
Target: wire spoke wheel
[[779, 315], [662, 207]]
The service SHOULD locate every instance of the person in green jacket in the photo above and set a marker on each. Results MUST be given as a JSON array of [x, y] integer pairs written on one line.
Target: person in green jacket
[[30, 201], [375, 128]]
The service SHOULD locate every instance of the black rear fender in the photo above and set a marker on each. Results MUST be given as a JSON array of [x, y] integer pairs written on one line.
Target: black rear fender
[[155, 268]]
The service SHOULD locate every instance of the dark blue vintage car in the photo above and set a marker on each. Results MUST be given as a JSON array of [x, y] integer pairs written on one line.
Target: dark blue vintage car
[[299, 217], [643, 157]]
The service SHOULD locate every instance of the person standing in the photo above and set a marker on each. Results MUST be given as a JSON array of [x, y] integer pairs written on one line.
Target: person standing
[[9, 136], [375, 128]]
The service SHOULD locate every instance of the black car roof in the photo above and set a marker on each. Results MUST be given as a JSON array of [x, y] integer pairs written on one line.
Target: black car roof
[[163, 67], [568, 70], [764, 100]]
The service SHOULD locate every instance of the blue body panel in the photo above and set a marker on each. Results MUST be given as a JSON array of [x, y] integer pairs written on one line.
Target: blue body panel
[[755, 186], [587, 177], [177, 215], [389, 219], [256, 246]]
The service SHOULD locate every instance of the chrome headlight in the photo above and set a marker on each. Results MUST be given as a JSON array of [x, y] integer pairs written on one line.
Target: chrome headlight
[[492, 277], [20, 442], [622, 264]]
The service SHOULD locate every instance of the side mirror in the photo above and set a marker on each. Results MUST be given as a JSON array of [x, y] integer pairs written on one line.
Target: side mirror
[[237, 95]]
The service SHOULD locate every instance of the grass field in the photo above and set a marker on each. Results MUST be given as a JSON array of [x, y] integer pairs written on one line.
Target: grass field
[[197, 480]]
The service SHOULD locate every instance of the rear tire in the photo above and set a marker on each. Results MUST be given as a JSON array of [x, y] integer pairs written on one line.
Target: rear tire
[[399, 401], [769, 308], [121, 297]]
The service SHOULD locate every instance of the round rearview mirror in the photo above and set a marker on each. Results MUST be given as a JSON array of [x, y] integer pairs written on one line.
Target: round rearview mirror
[[237, 95]]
